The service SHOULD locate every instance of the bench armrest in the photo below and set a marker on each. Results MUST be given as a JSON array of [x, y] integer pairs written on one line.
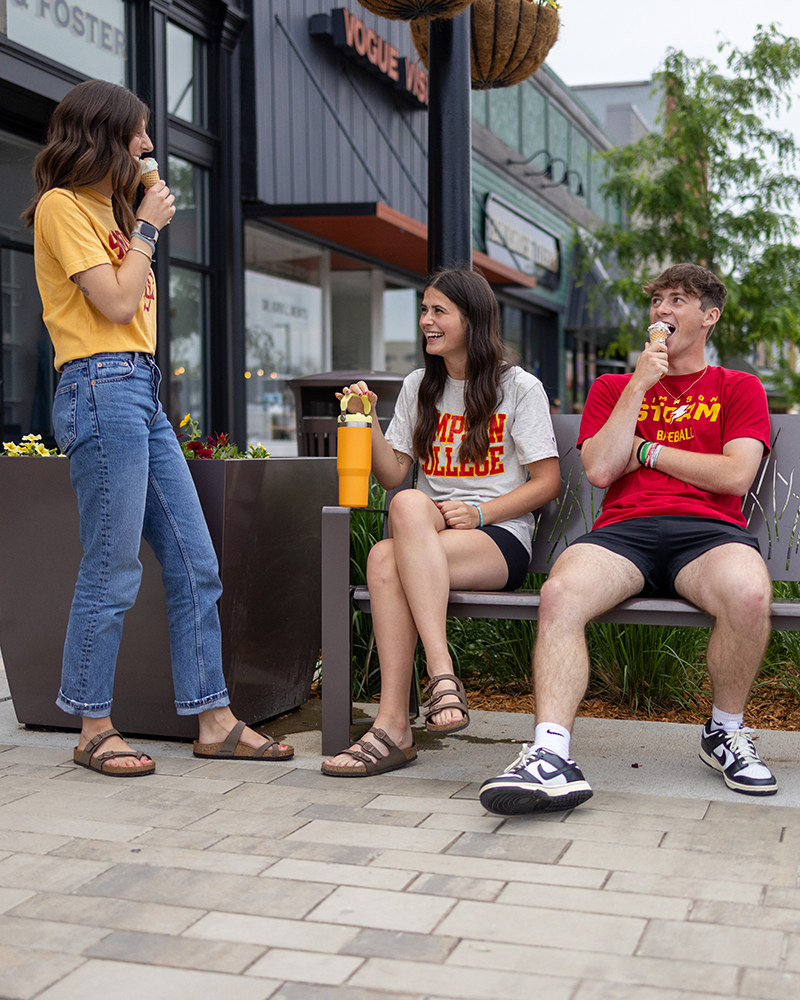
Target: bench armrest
[[337, 653]]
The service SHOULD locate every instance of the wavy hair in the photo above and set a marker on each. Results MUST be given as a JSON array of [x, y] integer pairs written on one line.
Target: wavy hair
[[89, 136], [471, 294]]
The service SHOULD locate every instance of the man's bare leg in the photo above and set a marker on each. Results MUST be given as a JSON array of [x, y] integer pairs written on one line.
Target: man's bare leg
[[732, 584], [586, 581]]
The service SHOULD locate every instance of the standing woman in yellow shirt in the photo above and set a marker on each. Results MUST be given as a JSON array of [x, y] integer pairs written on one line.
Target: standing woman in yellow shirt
[[93, 257]]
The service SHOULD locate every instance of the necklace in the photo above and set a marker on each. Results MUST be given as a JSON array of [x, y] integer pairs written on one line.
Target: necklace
[[683, 391]]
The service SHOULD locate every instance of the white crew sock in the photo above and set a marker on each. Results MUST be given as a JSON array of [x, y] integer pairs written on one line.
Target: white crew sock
[[552, 737], [722, 720]]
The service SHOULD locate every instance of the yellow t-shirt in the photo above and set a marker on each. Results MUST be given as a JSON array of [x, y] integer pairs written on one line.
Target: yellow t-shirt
[[73, 232]]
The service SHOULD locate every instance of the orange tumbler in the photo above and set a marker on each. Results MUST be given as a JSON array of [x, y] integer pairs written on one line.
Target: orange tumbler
[[354, 454]]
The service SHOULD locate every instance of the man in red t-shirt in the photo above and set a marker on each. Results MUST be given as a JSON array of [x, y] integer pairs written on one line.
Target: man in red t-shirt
[[677, 443]]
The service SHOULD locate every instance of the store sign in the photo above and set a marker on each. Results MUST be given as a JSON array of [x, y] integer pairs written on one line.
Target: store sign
[[517, 241], [89, 38], [349, 33]]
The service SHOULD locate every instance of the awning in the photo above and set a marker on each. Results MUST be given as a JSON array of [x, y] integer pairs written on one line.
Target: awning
[[375, 230]]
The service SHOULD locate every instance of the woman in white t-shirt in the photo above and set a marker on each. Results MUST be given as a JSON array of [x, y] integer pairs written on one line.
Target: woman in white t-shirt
[[481, 431]]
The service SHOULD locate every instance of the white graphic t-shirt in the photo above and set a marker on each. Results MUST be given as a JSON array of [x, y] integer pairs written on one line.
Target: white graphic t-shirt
[[520, 432]]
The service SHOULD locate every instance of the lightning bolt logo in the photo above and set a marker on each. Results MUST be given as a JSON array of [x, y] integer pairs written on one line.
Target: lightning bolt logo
[[679, 412]]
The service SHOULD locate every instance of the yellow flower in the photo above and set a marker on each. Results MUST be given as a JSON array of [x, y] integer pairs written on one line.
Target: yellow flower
[[41, 450], [186, 420]]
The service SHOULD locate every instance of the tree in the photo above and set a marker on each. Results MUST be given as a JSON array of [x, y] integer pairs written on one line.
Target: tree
[[716, 187]]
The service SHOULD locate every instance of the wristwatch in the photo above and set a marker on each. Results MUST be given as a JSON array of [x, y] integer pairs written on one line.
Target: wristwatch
[[147, 230]]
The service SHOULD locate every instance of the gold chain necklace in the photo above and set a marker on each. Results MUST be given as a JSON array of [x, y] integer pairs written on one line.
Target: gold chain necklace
[[683, 391]]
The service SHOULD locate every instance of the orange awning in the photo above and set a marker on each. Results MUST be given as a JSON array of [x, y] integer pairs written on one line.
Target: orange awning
[[375, 230]]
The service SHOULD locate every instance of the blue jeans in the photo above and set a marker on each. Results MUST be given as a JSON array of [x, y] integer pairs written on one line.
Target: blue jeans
[[131, 480]]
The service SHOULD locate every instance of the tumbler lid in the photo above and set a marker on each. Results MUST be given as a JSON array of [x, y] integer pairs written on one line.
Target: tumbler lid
[[363, 419]]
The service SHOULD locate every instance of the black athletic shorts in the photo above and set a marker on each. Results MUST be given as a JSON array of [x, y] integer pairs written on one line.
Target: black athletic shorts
[[517, 559], [661, 546]]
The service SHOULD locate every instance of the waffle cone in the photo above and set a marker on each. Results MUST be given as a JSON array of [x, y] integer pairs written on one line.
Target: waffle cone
[[658, 332], [150, 178]]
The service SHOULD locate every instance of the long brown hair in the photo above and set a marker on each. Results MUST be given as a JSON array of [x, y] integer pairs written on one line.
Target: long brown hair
[[89, 135], [471, 294]]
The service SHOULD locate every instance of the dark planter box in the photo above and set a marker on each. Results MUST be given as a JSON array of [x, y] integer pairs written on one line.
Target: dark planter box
[[264, 518]]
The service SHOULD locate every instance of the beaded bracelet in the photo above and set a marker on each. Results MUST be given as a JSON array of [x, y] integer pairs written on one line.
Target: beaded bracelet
[[480, 512]]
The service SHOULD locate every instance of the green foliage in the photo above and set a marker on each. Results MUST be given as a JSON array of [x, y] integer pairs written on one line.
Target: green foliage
[[716, 187]]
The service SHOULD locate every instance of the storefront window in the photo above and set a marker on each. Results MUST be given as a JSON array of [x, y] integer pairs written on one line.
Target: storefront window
[[27, 376], [401, 330], [284, 332], [187, 301], [188, 229], [90, 38], [186, 76]]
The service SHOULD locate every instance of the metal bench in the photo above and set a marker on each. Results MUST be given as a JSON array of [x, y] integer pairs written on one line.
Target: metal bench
[[772, 509]]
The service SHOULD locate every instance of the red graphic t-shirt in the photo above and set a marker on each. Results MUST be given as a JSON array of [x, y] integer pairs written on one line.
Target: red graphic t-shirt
[[719, 407]]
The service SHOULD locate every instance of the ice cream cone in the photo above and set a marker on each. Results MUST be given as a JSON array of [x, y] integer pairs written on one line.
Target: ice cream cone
[[658, 331], [149, 175]]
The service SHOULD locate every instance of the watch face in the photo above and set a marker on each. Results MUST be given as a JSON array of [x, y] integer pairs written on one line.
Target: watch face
[[146, 229]]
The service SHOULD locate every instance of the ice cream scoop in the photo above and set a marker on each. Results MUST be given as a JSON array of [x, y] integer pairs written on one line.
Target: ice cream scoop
[[658, 331], [149, 175]]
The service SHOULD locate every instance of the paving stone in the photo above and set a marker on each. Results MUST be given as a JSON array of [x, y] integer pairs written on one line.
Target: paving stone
[[533, 925], [625, 904], [178, 952], [697, 888], [491, 868], [766, 917], [752, 809], [400, 945], [128, 981], [27, 871], [615, 991], [305, 967], [209, 890], [225, 822], [469, 791], [782, 896], [272, 932], [765, 984], [526, 826], [458, 887], [462, 824], [32, 755], [358, 814], [320, 831], [537, 849], [426, 805], [448, 981], [13, 897], [193, 840], [34, 843], [292, 798], [738, 838], [654, 805], [256, 772], [56, 814], [661, 861], [46, 935], [325, 871], [391, 784], [706, 942], [24, 974], [306, 991], [114, 914], [792, 961], [632, 970], [346, 854], [385, 910], [193, 785], [163, 857]]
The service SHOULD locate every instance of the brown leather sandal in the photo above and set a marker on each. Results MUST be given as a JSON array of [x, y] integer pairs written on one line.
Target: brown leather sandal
[[374, 762], [232, 749], [103, 762], [433, 701]]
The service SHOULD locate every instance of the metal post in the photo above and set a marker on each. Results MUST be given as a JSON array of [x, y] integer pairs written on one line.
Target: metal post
[[449, 143]]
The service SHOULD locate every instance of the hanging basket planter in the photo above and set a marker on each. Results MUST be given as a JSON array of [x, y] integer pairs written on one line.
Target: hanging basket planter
[[510, 40], [408, 10]]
